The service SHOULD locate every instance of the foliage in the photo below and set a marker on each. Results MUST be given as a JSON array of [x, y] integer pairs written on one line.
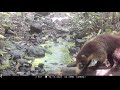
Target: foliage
[[95, 21]]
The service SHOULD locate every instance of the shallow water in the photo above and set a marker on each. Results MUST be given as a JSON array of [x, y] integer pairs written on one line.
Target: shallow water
[[58, 58]]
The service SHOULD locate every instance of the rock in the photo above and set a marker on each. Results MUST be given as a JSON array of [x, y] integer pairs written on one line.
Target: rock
[[73, 64], [2, 44], [21, 73], [65, 71], [73, 50], [13, 68], [79, 42], [22, 61], [16, 54], [22, 68], [28, 73], [29, 58], [53, 73], [37, 68], [8, 73], [27, 65], [35, 52], [34, 74], [35, 28], [40, 65], [25, 68], [43, 13], [5, 73], [10, 32], [54, 63], [32, 69]]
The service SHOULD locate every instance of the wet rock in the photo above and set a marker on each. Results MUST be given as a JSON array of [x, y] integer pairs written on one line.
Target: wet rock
[[27, 65], [37, 68], [28, 73], [40, 65], [54, 63], [73, 64], [61, 64], [35, 28], [9, 31], [32, 69], [2, 44], [73, 50], [5, 73], [29, 58], [65, 71], [35, 51], [8, 73], [45, 60], [43, 13], [21, 73], [58, 35], [79, 42], [16, 54], [22, 68], [13, 68], [53, 73], [9, 46], [41, 72], [21, 61], [21, 45], [34, 74], [35, 39]]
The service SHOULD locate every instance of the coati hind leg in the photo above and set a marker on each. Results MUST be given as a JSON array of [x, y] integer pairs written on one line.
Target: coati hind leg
[[117, 66]]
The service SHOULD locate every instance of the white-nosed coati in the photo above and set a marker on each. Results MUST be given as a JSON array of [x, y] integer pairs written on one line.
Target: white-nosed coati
[[99, 48]]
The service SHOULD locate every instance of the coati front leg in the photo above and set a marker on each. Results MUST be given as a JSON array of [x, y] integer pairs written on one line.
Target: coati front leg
[[101, 58], [110, 59], [84, 70]]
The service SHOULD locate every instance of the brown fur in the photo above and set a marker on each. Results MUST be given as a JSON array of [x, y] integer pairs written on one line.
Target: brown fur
[[116, 58], [99, 48]]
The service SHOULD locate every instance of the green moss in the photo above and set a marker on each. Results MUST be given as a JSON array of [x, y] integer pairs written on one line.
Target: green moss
[[37, 61], [59, 53], [2, 52], [5, 65], [8, 43]]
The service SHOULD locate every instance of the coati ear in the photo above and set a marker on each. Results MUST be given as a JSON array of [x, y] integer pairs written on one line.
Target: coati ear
[[83, 56]]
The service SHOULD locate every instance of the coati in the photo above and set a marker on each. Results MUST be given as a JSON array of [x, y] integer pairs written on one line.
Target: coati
[[100, 48]]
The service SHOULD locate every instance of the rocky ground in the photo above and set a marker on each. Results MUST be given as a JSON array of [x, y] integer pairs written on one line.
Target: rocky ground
[[20, 45]]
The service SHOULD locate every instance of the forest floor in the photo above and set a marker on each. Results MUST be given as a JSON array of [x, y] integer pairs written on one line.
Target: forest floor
[[38, 48]]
